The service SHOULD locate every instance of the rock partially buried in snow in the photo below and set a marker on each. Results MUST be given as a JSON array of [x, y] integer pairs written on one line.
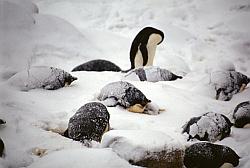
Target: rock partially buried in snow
[[49, 78], [145, 148], [88, 123], [228, 83], [241, 115], [124, 94], [97, 65], [79, 158], [208, 127], [151, 74], [207, 155]]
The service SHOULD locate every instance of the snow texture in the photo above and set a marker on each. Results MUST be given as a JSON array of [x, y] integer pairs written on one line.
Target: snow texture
[[207, 155], [150, 74], [135, 145], [197, 42], [228, 83], [49, 78], [122, 93], [87, 158], [208, 127], [89, 122], [241, 114], [97, 65]]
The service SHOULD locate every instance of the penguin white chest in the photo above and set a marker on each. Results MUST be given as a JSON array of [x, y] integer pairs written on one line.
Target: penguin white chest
[[153, 41], [227, 165]]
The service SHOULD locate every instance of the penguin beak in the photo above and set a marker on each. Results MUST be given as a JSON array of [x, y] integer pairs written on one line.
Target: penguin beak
[[137, 108]]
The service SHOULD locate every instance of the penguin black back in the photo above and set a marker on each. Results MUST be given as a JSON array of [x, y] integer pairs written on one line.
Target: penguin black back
[[140, 43], [208, 155]]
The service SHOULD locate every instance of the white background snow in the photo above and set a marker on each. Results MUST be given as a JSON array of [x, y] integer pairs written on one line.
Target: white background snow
[[200, 37]]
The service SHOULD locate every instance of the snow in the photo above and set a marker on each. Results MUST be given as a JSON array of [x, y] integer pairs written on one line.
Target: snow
[[82, 158], [134, 144], [200, 37]]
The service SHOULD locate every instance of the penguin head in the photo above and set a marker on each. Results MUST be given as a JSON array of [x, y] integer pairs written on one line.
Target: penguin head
[[69, 79], [135, 97]]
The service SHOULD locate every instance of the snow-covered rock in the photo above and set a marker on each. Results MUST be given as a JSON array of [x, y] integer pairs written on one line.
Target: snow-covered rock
[[78, 158], [151, 74], [145, 148], [241, 114], [49, 78], [208, 127]]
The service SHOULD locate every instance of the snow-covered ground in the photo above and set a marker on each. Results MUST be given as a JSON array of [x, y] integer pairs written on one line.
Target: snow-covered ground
[[200, 37]]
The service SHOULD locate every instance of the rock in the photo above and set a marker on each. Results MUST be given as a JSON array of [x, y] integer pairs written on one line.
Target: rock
[[145, 148]]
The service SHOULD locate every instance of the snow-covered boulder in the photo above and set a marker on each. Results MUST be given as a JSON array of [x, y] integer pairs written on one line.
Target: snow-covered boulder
[[41, 77], [241, 114], [228, 83], [145, 148], [79, 158], [151, 74], [208, 127], [88, 123]]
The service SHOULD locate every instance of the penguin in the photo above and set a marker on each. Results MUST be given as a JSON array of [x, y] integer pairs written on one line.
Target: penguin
[[151, 74], [228, 83], [208, 155], [49, 78], [208, 127], [241, 115], [124, 94], [89, 123], [1, 147], [2, 121], [97, 65], [143, 47]]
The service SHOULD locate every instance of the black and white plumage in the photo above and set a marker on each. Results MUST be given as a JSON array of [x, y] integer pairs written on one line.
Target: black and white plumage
[[143, 47], [151, 74], [208, 127], [90, 122], [2, 121], [1, 147], [49, 78], [98, 65], [124, 94], [228, 83], [241, 114], [207, 155]]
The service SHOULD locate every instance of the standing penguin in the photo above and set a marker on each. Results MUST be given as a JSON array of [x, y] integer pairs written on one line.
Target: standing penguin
[[207, 155], [142, 51]]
